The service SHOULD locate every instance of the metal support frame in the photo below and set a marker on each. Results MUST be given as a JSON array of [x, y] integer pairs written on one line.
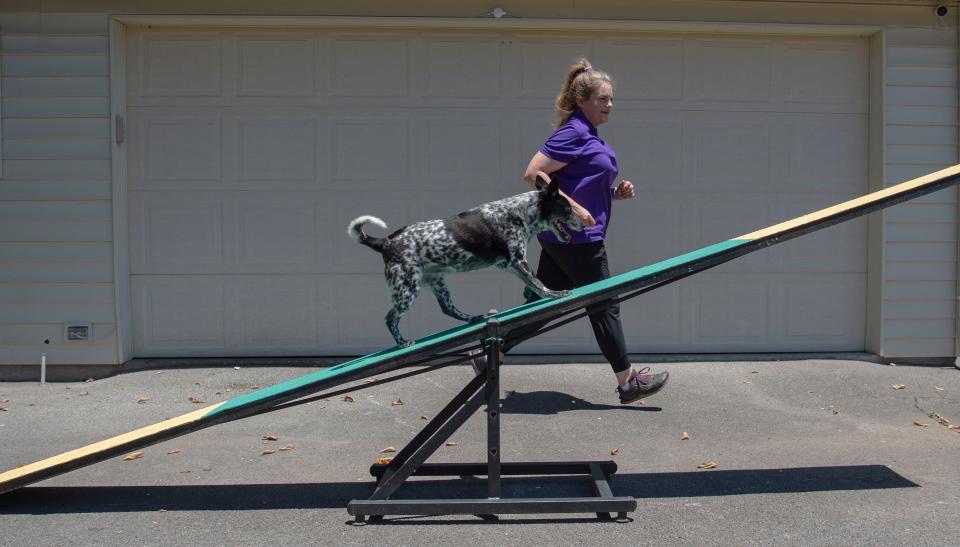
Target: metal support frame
[[483, 388]]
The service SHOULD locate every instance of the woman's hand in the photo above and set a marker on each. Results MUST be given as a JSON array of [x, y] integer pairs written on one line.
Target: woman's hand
[[585, 217], [625, 190]]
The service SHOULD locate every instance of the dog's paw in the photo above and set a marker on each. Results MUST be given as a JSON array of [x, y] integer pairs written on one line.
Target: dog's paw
[[557, 294], [405, 343]]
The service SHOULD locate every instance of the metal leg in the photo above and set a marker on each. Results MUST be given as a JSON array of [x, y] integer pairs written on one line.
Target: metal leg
[[411, 461], [493, 408]]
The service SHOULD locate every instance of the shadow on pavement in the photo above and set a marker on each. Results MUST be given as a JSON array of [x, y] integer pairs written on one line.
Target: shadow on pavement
[[555, 402], [232, 497]]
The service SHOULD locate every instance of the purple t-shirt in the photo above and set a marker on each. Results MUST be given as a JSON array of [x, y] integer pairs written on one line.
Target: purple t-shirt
[[588, 177]]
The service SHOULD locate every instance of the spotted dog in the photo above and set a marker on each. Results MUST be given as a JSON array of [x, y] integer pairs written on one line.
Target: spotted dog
[[493, 234]]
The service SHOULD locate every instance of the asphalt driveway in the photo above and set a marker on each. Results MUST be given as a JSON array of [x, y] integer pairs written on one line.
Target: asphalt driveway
[[806, 452]]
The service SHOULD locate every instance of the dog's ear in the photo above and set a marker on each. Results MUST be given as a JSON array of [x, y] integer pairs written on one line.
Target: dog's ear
[[542, 183], [553, 189]]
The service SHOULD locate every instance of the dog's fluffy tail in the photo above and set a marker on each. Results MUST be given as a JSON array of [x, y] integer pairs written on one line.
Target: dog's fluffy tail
[[355, 231]]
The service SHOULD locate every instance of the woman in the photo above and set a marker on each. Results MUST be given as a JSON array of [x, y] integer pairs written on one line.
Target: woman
[[586, 168]]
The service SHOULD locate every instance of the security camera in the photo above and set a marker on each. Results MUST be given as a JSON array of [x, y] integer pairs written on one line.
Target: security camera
[[941, 10]]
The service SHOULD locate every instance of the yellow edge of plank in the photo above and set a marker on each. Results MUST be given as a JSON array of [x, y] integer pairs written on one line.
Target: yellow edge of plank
[[105, 444], [880, 194]]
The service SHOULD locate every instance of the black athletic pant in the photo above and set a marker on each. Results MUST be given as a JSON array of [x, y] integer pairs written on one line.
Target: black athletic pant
[[570, 266]]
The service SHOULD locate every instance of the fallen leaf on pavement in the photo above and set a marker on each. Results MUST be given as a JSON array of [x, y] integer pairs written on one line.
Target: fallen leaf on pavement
[[424, 418], [141, 400], [184, 471], [452, 443], [920, 424], [684, 437], [174, 451], [348, 399], [615, 451], [265, 452], [898, 386], [133, 456], [398, 402], [707, 465], [389, 449], [269, 438], [3, 409], [287, 447], [88, 380], [938, 388], [195, 400], [835, 411], [384, 460]]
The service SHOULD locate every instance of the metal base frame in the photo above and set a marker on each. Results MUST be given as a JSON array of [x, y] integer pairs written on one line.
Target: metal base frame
[[482, 389]]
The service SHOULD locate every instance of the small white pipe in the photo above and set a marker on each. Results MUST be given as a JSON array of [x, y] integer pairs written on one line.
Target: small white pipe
[[43, 368]]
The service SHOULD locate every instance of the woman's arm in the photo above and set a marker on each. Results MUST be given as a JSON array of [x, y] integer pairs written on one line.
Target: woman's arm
[[542, 165]]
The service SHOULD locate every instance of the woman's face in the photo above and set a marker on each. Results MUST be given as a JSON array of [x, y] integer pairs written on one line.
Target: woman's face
[[598, 107]]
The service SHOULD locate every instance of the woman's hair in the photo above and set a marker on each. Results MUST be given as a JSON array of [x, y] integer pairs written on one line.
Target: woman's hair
[[581, 81]]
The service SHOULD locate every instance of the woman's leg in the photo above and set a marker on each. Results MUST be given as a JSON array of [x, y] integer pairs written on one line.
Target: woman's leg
[[588, 264], [605, 319]]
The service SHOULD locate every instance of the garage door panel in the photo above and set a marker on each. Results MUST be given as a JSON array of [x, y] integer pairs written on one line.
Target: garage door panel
[[824, 153], [276, 149], [176, 64], [250, 151], [176, 234], [274, 313], [647, 69], [460, 153], [174, 150], [650, 153], [825, 73], [258, 74], [463, 66], [730, 71], [370, 65], [271, 231], [822, 310], [728, 155], [370, 149], [178, 315], [728, 310]]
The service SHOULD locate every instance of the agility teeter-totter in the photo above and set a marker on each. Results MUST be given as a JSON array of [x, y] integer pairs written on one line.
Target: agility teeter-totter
[[451, 346]]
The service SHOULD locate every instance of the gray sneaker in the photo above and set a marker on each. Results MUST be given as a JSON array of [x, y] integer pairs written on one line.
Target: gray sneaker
[[642, 384]]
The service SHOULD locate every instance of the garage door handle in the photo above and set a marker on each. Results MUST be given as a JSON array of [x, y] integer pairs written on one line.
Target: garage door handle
[[121, 135]]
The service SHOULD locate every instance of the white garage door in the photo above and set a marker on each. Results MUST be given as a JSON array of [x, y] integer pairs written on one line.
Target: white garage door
[[250, 151]]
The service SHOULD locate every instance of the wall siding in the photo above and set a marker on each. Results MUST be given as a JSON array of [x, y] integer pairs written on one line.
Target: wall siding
[[55, 190], [56, 253], [920, 265]]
